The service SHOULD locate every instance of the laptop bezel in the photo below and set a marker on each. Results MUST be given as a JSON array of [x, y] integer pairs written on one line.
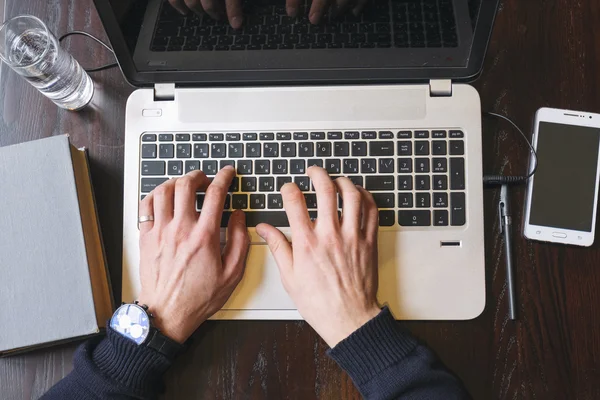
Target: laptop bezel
[[137, 78]]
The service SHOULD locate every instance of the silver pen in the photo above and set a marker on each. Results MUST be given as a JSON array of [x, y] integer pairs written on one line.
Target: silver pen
[[505, 229]]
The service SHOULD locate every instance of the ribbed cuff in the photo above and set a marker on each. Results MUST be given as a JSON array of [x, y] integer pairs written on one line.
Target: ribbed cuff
[[372, 348], [138, 368]]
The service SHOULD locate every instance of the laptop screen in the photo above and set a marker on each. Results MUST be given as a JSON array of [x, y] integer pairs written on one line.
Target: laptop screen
[[399, 35]]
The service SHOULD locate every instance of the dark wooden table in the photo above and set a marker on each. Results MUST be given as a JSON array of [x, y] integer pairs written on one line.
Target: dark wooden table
[[543, 53]]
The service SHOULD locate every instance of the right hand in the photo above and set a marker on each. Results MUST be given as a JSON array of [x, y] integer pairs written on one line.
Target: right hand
[[233, 8], [330, 269]]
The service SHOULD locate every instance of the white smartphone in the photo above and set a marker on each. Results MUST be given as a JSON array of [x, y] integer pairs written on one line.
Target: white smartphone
[[562, 195]]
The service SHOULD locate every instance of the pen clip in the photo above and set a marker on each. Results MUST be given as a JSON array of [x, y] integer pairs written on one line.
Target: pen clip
[[501, 215]]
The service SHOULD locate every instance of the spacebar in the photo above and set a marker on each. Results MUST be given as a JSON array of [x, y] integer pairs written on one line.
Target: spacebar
[[253, 218]]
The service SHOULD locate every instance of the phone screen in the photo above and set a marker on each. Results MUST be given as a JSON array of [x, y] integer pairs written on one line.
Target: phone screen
[[564, 185]]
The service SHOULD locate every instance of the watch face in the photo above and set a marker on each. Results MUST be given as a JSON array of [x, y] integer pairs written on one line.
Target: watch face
[[131, 321]]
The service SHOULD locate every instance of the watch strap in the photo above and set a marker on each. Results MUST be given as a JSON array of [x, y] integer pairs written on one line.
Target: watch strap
[[164, 345]]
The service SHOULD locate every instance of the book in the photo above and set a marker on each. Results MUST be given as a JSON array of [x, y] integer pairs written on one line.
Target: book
[[54, 282]]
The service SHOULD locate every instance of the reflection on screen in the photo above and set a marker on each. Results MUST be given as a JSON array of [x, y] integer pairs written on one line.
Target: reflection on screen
[[564, 184]]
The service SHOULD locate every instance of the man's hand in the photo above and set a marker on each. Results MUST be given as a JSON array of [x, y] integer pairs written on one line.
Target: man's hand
[[185, 277], [330, 270], [217, 9]]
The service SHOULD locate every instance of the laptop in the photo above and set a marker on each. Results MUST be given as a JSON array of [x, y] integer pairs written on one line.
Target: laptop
[[378, 97]]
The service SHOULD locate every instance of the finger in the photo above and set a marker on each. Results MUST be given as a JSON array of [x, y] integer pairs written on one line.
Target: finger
[[194, 5], [370, 214], [293, 7], [360, 4], [185, 194], [238, 243], [279, 246], [164, 197], [213, 8], [235, 14], [146, 209], [352, 208], [326, 195], [212, 209], [179, 5], [317, 10], [295, 209]]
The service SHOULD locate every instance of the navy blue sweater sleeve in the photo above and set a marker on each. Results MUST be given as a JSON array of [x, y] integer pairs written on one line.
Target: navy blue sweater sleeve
[[384, 362], [112, 368]]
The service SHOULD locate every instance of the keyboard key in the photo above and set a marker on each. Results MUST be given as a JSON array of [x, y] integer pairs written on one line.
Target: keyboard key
[[438, 134], [282, 180], [263, 167], [405, 200], [235, 185], [297, 167], [200, 201], [405, 182], [386, 135], [300, 135], [423, 200], [224, 163], [404, 135], [306, 149], [457, 209], [383, 182], [440, 218], [232, 137], [334, 135], [209, 167], [359, 149], [405, 165], [457, 147], [456, 134], [248, 184], [324, 149], [317, 136], [267, 136], [314, 161], [438, 148], [199, 137], [384, 200], [182, 137], [271, 150], [149, 184], [369, 135], [421, 148], [165, 137], [266, 184], [404, 148], [414, 218], [253, 150], [351, 135], [303, 183], [351, 166], [387, 218], [218, 150], [288, 149], [440, 182], [192, 166], [249, 136], [153, 168], [440, 200], [184, 151], [148, 151], [239, 201], [341, 149], [422, 165], [216, 137], [440, 165], [333, 166], [457, 174], [284, 136], [275, 218], [422, 182], [201, 150], [244, 167], [166, 151], [386, 165], [368, 166], [275, 201], [149, 137], [311, 200], [236, 150], [280, 167], [381, 149], [257, 202], [421, 134]]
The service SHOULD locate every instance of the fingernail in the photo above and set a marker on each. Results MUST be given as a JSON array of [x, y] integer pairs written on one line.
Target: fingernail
[[259, 230], [314, 18], [228, 167], [236, 22]]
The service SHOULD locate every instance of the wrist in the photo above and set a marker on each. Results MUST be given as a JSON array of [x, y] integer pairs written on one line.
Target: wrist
[[348, 324], [167, 322]]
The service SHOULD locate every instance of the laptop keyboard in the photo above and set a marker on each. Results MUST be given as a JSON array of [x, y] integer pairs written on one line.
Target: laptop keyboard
[[383, 24], [417, 177]]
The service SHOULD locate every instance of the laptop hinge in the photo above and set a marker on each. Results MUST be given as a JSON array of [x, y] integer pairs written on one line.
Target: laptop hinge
[[440, 88], [164, 92]]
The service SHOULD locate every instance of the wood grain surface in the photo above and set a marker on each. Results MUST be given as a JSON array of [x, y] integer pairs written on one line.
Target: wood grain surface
[[543, 53]]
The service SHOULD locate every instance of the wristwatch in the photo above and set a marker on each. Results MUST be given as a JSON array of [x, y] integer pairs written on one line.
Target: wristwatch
[[133, 321]]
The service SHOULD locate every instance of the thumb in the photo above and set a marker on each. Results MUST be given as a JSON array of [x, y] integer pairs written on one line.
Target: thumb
[[278, 244]]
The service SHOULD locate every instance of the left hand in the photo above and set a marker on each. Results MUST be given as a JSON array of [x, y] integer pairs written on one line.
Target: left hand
[[185, 277]]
